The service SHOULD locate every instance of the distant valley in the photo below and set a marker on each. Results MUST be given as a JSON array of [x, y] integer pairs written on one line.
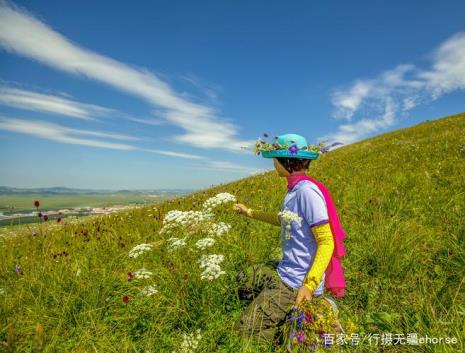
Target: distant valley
[[17, 204]]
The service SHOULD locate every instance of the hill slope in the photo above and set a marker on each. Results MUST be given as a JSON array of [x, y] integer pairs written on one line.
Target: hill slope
[[400, 196]]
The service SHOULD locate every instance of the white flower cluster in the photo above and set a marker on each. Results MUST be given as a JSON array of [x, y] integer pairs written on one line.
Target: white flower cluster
[[176, 218], [219, 228], [175, 243], [139, 250], [211, 266], [217, 200], [149, 290], [205, 243], [288, 217], [190, 342], [142, 274]]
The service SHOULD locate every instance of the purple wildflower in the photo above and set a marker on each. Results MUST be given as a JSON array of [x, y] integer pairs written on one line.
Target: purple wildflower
[[265, 134], [293, 149], [326, 148], [300, 337], [18, 269]]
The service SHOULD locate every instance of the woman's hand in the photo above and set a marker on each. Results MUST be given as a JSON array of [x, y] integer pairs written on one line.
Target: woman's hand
[[303, 293], [241, 209]]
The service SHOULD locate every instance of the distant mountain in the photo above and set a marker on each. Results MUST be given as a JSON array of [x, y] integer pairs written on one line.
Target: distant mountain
[[59, 190]]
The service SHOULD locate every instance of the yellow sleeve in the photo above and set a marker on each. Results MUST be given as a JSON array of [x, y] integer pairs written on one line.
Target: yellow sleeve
[[269, 217], [324, 251]]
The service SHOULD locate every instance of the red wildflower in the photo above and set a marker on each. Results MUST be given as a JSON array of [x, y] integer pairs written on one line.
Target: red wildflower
[[39, 214], [58, 220], [45, 217], [36, 204], [126, 299], [130, 276]]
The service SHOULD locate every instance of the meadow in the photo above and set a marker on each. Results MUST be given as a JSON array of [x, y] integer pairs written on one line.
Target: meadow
[[71, 287]]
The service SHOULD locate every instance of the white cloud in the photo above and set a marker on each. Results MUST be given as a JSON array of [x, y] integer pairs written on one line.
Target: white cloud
[[173, 154], [28, 100], [395, 92], [58, 133], [147, 121], [348, 102], [25, 35], [351, 132]]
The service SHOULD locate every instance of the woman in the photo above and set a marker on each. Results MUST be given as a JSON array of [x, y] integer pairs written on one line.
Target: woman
[[307, 241]]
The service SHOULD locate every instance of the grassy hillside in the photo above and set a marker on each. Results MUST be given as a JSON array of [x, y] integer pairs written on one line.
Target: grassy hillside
[[401, 201]]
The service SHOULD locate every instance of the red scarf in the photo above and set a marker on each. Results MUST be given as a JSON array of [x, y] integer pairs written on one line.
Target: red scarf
[[334, 274]]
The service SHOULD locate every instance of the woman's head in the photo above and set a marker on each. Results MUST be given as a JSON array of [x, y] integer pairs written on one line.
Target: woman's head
[[285, 166]]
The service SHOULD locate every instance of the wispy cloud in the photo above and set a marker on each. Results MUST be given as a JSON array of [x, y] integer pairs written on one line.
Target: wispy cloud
[[229, 166], [203, 127], [58, 133], [147, 121], [40, 102], [378, 102]]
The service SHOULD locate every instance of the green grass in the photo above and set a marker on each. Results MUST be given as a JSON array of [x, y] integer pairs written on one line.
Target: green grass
[[400, 197]]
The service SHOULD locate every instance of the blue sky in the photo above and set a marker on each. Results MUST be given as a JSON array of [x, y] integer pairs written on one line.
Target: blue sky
[[163, 94]]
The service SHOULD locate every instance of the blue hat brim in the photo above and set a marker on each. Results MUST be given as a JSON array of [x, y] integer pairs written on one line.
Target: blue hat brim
[[285, 153]]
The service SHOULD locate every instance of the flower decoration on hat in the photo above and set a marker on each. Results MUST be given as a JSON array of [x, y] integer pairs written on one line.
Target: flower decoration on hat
[[263, 145]]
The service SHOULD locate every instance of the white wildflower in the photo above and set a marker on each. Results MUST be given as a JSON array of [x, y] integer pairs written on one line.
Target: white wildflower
[[175, 243], [210, 264], [2, 291], [78, 272], [217, 200], [287, 217], [175, 218], [205, 243], [139, 250], [149, 290], [142, 274], [219, 228], [190, 342]]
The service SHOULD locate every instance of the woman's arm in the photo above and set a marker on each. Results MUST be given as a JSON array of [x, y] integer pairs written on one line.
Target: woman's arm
[[325, 241], [269, 217]]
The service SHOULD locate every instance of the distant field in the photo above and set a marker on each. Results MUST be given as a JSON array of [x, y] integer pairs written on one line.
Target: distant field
[[26, 202]]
